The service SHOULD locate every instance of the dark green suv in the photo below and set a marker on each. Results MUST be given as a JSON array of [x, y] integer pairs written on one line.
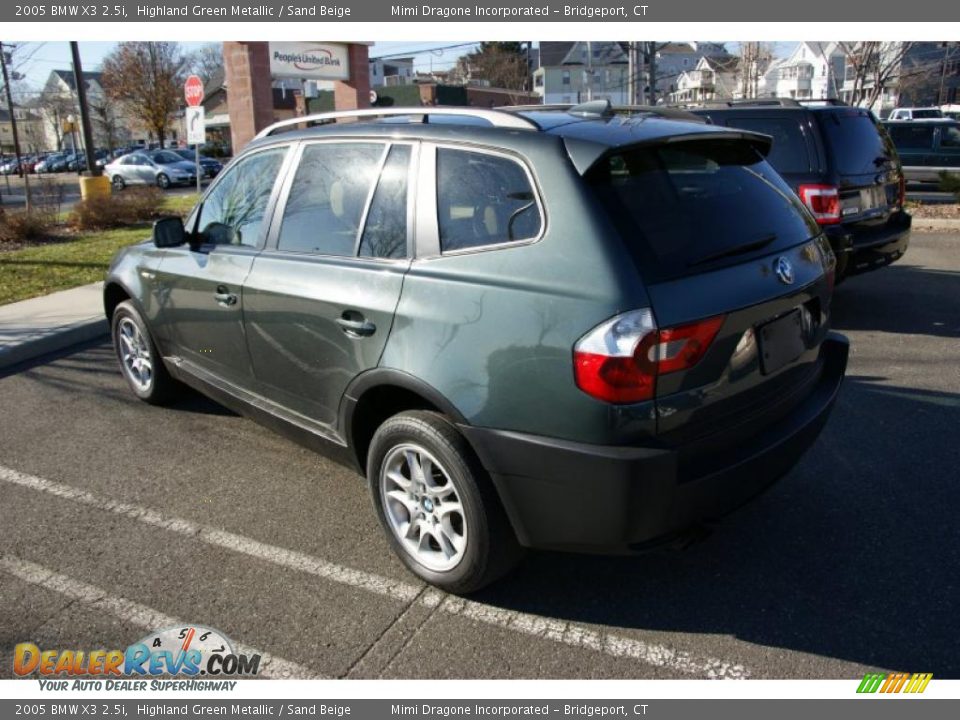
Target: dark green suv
[[564, 328]]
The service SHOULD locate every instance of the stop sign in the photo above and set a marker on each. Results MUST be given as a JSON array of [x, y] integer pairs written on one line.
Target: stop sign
[[193, 90]]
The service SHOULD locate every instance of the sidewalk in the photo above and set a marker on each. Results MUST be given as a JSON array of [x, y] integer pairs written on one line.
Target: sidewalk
[[34, 327]]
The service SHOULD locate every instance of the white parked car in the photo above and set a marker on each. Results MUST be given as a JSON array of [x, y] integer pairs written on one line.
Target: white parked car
[[913, 113]]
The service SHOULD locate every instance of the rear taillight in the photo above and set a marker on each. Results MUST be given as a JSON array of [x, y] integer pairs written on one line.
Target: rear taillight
[[823, 201], [619, 360]]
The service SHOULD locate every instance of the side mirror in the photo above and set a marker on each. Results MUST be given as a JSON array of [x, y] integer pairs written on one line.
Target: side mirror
[[169, 232]]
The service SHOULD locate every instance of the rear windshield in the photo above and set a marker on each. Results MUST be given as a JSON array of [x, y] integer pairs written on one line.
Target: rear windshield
[[694, 206], [857, 145], [790, 152], [926, 114]]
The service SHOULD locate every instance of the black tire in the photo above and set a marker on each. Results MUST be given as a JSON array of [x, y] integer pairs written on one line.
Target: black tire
[[118, 182], [491, 549], [160, 388], [163, 182]]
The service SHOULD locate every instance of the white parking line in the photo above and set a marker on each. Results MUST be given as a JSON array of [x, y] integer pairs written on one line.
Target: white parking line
[[134, 613], [559, 631]]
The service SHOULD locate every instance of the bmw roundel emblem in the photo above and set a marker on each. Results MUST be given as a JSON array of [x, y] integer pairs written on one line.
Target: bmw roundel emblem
[[784, 270]]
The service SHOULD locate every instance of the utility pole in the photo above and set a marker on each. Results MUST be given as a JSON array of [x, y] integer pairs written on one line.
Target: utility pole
[[13, 125], [84, 113]]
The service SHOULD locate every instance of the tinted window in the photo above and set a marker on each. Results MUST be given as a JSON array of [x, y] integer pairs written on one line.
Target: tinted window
[[232, 214], [926, 114], [694, 206], [166, 158], [912, 137], [858, 146], [385, 231], [950, 136], [483, 199], [328, 196], [790, 153]]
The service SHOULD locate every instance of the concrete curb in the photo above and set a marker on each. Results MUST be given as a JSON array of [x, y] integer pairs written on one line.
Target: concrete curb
[[935, 224], [52, 340], [46, 324]]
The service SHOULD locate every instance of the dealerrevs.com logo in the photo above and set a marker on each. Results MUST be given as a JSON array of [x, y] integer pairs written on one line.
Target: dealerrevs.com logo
[[178, 652], [908, 683]]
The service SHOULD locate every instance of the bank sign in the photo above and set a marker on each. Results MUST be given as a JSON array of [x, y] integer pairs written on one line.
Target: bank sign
[[309, 60]]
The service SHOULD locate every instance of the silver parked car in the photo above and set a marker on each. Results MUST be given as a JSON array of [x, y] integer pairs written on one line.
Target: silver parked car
[[162, 168]]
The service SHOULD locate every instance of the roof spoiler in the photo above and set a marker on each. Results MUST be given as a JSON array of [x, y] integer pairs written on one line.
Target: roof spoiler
[[585, 154]]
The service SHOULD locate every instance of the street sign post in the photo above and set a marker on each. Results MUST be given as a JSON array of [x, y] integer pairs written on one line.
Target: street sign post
[[196, 130], [196, 134]]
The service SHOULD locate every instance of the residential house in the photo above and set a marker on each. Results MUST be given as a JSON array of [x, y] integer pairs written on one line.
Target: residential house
[[573, 72], [675, 58], [29, 130], [813, 71], [395, 71], [710, 79], [58, 101]]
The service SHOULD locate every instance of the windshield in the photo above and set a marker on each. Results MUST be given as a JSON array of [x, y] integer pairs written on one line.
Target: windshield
[[693, 206], [165, 157], [858, 145]]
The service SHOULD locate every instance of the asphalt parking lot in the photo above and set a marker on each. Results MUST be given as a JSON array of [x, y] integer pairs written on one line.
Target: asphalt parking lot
[[118, 518]]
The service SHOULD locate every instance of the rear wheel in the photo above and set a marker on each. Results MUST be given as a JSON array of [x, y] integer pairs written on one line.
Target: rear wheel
[[140, 363], [163, 182], [440, 512]]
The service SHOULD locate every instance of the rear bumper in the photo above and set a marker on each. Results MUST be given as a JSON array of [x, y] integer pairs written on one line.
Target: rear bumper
[[573, 496], [862, 250]]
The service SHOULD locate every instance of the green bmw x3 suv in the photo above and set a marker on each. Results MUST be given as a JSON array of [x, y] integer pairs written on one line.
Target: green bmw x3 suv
[[579, 328]]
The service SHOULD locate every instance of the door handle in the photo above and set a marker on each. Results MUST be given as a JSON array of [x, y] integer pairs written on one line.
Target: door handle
[[224, 297], [356, 325]]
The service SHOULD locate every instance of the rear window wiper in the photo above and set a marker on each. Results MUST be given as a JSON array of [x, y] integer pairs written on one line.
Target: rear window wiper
[[735, 250]]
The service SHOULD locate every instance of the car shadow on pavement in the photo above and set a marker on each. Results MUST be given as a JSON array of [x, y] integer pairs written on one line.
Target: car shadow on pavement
[[72, 370], [853, 556], [900, 299]]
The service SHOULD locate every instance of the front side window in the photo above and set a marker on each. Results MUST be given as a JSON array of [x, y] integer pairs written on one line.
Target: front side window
[[329, 193], [483, 199], [233, 212], [385, 231]]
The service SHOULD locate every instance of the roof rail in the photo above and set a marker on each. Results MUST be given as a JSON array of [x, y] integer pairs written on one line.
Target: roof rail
[[603, 108], [497, 118]]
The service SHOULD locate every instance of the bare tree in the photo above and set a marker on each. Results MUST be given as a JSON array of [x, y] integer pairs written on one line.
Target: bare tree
[[206, 61], [54, 109], [502, 64], [753, 59], [105, 120], [146, 78], [871, 68]]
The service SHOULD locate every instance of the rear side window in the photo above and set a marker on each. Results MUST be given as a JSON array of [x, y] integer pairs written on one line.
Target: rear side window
[[912, 137], [790, 152], [950, 136], [483, 199], [858, 146], [694, 206], [329, 193]]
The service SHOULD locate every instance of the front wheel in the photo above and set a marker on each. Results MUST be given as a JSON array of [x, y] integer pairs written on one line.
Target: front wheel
[[441, 514], [163, 182], [118, 182], [140, 363]]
